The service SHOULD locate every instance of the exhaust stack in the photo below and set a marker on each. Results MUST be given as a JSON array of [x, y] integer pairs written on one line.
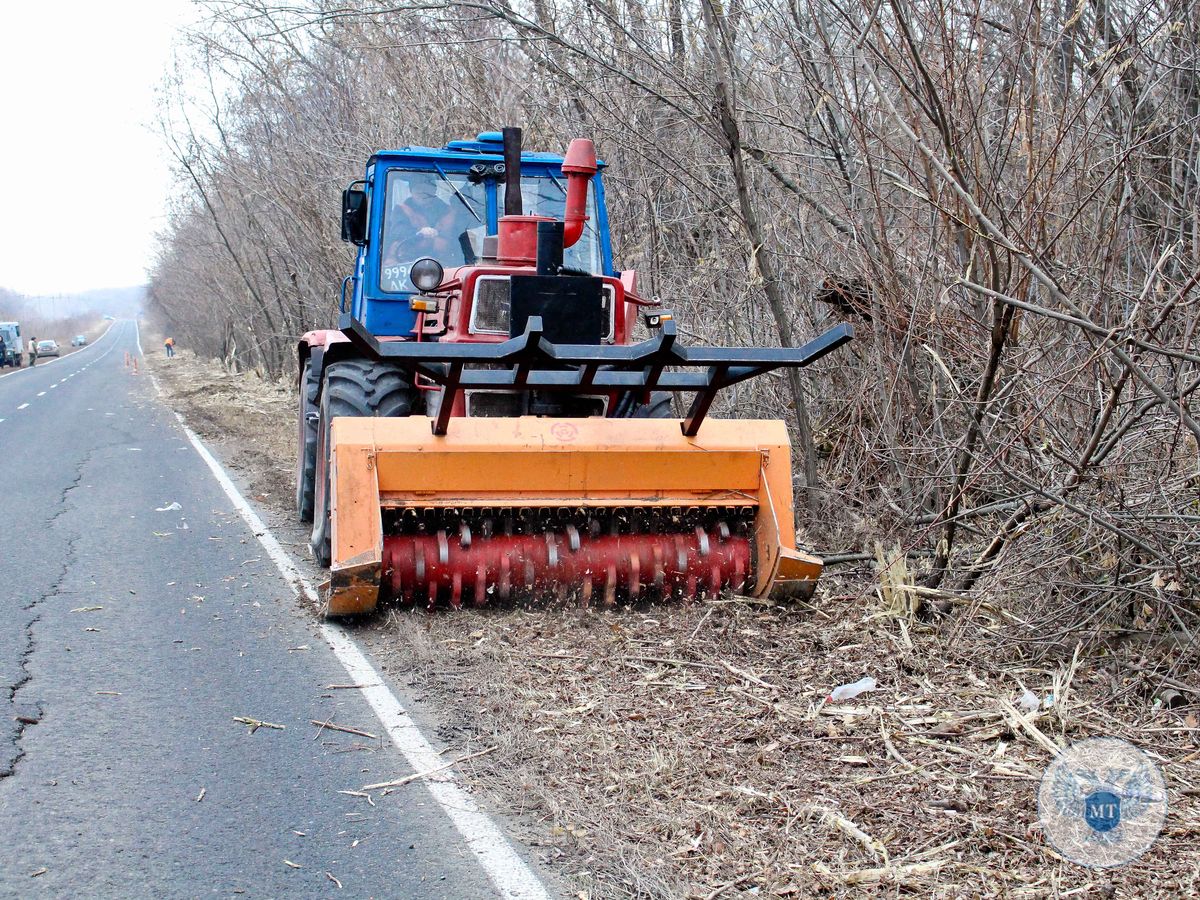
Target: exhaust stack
[[517, 242]]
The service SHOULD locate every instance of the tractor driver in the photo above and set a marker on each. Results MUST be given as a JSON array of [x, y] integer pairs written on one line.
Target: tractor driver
[[421, 224]]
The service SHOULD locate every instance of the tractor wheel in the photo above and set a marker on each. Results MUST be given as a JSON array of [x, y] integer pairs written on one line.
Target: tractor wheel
[[659, 407], [306, 443], [353, 387]]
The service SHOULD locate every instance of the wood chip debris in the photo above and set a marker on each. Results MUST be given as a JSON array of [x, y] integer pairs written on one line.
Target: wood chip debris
[[256, 724], [400, 782], [345, 728]]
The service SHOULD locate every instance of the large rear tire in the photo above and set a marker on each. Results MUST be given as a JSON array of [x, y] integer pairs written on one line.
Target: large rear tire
[[352, 387], [306, 443]]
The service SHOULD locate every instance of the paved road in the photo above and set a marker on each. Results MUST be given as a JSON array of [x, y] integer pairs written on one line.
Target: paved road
[[130, 638]]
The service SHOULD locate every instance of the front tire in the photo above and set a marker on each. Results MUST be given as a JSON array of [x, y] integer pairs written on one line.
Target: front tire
[[352, 387]]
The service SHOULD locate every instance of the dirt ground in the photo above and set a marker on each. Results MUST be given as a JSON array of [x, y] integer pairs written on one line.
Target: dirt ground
[[692, 750]]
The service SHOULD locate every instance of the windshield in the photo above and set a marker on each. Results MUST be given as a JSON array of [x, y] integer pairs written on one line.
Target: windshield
[[546, 195], [430, 214], [444, 216]]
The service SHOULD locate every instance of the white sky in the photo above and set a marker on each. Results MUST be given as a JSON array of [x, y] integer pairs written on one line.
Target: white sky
[[83, 176]]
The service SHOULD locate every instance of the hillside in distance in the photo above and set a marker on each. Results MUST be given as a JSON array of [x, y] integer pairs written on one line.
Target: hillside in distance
[[123, 302]]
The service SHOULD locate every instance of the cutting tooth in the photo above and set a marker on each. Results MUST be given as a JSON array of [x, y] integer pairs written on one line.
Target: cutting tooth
[[659, 573], [585, 594], [692, 585], [456, 591], [714, 581], [432, 596], [610, 586], [443, 543], [702, 540], [739, 575], [504, 589], [573, 538], [723, 531], [464, 535], [635, 576], [480, 584]]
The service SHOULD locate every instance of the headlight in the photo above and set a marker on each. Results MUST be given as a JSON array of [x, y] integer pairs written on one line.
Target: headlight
[[426, 274], [489, 307]]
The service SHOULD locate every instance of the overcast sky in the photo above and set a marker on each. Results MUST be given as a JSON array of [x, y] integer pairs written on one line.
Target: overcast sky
[[82, 175]]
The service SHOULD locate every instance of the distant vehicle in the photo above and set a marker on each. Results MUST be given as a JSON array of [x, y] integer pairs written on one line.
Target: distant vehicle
[[109, 319], [47, 348], [11, 332], [80, 340]]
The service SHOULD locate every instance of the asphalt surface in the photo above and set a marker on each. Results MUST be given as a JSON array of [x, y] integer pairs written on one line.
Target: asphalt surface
[[131, 635]]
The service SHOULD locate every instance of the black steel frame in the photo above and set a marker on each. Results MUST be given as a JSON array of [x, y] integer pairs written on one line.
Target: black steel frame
[[532, 363]]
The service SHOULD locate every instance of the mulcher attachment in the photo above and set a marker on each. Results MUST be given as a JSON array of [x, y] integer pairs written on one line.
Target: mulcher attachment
[[594, 510], [464, 510]]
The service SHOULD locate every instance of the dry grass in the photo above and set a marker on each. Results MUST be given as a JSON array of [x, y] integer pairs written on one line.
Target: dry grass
[[688, 751]]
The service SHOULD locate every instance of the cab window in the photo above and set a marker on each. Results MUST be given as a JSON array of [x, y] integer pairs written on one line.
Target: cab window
[[429, 215]]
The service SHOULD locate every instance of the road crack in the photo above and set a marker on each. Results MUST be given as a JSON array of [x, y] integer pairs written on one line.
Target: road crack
[[26, 714]]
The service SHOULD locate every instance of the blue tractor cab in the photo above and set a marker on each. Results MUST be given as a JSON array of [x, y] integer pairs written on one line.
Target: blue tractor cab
[[421, 202]]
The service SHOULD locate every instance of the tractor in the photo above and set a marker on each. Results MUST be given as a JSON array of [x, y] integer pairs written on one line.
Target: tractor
[[484, 425]]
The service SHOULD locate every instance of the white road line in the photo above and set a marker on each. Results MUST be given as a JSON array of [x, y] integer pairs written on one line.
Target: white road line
[[22, 406], [508, 873], [41, 393]]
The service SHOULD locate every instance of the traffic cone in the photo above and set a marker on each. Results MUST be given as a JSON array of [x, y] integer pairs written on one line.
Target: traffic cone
[[135, 371], [127, 359]]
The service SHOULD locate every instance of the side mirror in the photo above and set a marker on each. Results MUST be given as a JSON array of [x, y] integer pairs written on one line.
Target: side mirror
[[354, 216]]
